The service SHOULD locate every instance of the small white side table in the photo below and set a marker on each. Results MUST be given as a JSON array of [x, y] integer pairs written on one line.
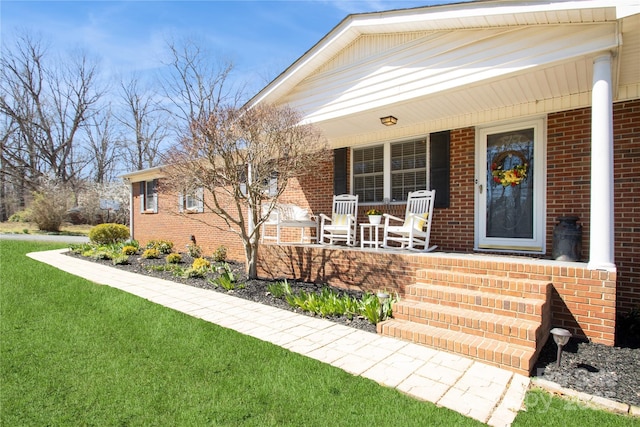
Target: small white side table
[[373, 234]]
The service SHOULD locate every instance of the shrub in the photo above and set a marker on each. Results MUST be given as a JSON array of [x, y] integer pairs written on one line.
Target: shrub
[[200, 264], [129, 250], [104, 234], [194, 250], [80, 248], [151, 254], [133, 243], [194, 272], [49, 210], [162, 246], [101, 254], [22, 216], [220, 254], [174, 258], [120, 259]]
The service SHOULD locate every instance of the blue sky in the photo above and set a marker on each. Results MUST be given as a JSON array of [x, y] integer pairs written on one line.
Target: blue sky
[[261, 38]]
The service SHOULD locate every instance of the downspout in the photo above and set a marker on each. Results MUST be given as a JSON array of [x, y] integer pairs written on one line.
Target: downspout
[[130, 208]]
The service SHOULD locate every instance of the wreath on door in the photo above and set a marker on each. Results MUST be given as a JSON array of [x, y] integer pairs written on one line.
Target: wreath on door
[[509, 177]]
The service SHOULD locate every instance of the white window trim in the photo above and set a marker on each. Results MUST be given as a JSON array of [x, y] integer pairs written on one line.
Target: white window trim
[[143, 196], [387, 168], [183, 198]]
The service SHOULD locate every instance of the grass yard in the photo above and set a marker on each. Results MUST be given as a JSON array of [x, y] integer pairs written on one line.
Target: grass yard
[[76, 353], [31, 228]]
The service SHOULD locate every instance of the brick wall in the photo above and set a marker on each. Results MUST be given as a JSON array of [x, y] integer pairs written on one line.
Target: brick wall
[[210, 231], [568, 183]]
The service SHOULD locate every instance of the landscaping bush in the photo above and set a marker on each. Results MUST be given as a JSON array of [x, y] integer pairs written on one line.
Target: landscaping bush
[[129, 250], [200, 264], [162, 246], [151, 254], [194, 250], [220, 254], [174, 258], [105, 234], [22, 216], [120, 259], [49, 210]]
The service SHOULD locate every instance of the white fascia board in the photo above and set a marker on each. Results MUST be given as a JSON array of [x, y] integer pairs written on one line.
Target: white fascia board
[[144, 174]]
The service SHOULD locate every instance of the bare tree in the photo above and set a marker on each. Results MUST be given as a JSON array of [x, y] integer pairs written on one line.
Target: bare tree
[[102, 146], [244, 158], [145, 122], [196, 85], [46, 105]]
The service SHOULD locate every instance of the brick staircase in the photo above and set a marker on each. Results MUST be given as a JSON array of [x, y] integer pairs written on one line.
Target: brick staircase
[[489, 313]]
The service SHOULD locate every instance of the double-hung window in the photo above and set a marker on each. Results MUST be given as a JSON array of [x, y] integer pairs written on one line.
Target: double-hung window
[[148, 196], [389, 171], [191, 201]]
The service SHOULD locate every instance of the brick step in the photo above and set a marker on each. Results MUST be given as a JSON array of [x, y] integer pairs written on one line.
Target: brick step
[[491, 351], [503, 305], [481, 324], [503, 285]]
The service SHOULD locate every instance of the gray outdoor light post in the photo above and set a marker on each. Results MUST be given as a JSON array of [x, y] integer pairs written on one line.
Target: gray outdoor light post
[[561, 337]]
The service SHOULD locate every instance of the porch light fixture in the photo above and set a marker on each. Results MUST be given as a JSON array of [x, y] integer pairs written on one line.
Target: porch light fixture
[[561, 337], [388, 120]]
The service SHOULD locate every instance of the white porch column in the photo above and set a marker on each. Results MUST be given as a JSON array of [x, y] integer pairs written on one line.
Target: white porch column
[[601, 248]]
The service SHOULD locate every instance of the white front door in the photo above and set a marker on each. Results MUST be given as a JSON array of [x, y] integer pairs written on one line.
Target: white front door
[[510, 187]]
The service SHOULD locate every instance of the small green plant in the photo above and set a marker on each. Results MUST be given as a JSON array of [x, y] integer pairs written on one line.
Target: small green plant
[[279, 289], [193, 273], [129, 250], [104, 234], [174, 258], [162, 246], [194, 250], [151, 254], [226, 280], [80, 248], [374, 211], [220, 254], [25, 231], [120, 259], [101, 254], [132, 242], [328, 302]]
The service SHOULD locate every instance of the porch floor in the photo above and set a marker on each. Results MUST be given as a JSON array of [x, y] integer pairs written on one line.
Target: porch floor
[[477, 390]]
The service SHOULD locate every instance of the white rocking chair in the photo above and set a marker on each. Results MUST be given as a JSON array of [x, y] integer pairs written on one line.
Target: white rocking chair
[[416, 225], [342, 224]]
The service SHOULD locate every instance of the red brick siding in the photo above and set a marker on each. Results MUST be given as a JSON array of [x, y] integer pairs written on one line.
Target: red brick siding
[[167, 224], [626, 152], [568, 193]]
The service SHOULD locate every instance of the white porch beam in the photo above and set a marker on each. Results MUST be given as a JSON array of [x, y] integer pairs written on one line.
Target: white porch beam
[[601, 248]]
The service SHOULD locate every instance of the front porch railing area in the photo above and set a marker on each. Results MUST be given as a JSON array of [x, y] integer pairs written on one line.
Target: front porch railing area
[[498, 309]]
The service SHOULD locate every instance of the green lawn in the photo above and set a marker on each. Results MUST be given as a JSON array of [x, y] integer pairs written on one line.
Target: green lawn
[[75, 353]]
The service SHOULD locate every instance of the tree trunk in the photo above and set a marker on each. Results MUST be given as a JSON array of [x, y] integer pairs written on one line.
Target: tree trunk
[[251, 253]]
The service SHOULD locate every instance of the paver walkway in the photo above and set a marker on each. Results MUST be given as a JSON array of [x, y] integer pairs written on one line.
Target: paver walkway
[[483, 392]]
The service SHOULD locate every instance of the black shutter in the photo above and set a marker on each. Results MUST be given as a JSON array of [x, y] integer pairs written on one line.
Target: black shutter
[[340, 171], [440, 159]]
